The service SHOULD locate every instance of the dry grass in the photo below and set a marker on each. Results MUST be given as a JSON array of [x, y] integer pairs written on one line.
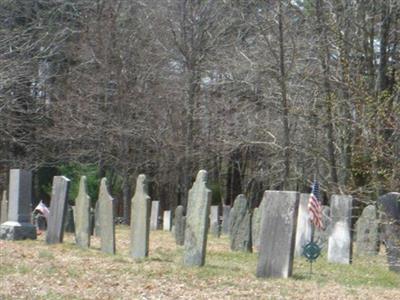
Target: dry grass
[[34, 270]]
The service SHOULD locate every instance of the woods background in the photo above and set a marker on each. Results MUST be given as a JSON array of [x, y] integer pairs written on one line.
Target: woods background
[[262, 94]]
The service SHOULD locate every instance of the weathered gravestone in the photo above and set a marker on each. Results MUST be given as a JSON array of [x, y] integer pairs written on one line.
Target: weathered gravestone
[[58, 207], [167, 220], [214, 221], [321, 236], [179, 226], [4, 208], [97, 219], [106, 214], [256, 225], [240, 237], [140, 219], [92, 221], [17, 226], [303, 228], [155, 213], [69, 225], [278, 234], [389, 215], [197, 220], [82, 215], [226, 209], [367, 232], [339, 243]]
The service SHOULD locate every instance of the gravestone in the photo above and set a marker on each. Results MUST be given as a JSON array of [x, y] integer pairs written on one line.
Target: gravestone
[[179, 226], [82, 215], [303, 228], [18, 226], [339, 242], [155, 213], [277, 234], [106, 215], [69, 225], [256, 225], [240, 237], [198, 210], [321, 236], [367, 232], [97, 219], [4, 208], [140, 219], [58, 209], [167, 220], [214, 221], [389, 217], [226, 209]]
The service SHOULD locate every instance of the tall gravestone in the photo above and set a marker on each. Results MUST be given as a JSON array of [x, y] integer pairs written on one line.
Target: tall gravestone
[[4, 208], [278, 234], [367, 232], [226, 209], [256, 225], [155, 213], [179, 226], [240, 237], [167, 220], [18, 226], [198, 210], [214, 221], [58, 207], [303, 231], [340, 241], [140, 219], [321, 236], [82, 215], [106, 215], [389, 217]]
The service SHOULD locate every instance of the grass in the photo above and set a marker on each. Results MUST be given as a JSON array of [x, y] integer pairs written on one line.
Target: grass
[[34, 270]]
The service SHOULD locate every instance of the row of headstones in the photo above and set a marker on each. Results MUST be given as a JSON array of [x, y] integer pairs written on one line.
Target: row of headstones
[[276, 233]]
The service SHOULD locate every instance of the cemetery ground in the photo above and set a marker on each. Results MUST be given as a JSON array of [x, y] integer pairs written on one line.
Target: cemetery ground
[[33, 270]]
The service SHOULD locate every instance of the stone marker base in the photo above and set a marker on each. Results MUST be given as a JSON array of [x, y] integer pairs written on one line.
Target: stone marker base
[[14, 231]]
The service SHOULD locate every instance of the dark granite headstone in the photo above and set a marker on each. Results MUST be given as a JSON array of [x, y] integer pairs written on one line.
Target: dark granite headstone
[[179, 226], [389, 214]]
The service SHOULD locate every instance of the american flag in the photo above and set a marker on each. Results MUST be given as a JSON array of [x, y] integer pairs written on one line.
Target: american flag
[[314, 206]]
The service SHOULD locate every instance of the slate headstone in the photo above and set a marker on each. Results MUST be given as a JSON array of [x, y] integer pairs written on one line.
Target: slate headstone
[[167, 220], [367, 238], [197, 220], [256, 225], [106, 215], [4, 208], [389, 217], [179, 226], [18, 226], [58, 210], [92, 221], [69, 225], [278, 234], [82, 215], [140, 219], [303, 228], [214, 221], [240, 237], [226, 209], [97, 228], [339, 243], [155, 214]]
